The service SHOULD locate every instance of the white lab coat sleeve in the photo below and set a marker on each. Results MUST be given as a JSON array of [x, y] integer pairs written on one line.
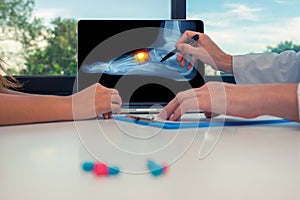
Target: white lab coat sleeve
[[298, 95], [267, 68]]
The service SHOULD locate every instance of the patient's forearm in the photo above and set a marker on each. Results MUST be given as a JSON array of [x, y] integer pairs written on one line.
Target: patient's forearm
[[20, 109]]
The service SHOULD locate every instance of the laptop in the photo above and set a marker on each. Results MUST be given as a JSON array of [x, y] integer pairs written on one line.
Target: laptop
[[126, 55]]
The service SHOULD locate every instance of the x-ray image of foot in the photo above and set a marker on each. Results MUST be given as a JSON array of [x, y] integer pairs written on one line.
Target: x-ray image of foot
[[145, 62]]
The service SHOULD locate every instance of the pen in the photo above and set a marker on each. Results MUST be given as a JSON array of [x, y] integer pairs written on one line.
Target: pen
[[190, 41], [148, 118]]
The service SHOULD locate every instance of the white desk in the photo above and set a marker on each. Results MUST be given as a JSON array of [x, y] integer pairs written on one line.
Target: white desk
[[43, 162]]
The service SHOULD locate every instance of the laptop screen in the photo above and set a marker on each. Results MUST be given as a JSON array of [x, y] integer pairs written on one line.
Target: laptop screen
[[126, 55]]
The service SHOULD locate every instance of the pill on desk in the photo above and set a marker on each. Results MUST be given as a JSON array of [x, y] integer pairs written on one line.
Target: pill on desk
[[88, 166], [113, 170], [155, 169], [100, 169], [165, 169]]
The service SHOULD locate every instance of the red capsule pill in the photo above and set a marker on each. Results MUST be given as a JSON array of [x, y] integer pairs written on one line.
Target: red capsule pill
[[100, 169], [165, 169]]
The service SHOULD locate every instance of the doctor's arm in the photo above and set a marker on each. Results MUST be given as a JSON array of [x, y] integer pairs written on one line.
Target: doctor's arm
[[278, 99], [247, 69], [246, 101]]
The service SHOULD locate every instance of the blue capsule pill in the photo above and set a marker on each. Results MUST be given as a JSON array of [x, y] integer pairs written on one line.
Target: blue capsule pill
[[113, 170], [155, 169], [88, 166]]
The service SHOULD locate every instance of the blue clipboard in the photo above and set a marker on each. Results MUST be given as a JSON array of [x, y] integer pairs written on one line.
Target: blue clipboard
[[199, 124]]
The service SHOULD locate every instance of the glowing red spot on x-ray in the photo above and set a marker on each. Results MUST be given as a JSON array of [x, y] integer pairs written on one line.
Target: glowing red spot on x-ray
[[141, 56]]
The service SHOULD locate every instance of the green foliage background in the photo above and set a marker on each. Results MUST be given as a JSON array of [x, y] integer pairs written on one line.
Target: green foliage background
[[57, 57], [283, 46]]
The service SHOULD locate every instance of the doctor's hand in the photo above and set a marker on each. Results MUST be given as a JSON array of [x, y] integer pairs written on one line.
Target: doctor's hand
[[214, 98], [204, 50], [94, 101]]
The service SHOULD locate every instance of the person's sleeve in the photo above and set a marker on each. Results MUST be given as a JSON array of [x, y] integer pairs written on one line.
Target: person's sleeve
[[298, 95], [267, 68]]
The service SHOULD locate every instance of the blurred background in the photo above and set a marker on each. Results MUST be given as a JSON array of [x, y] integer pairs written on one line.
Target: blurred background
[[38, 37]]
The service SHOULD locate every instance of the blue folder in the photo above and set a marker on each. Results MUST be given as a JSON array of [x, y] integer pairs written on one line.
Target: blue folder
[[196, 124]]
